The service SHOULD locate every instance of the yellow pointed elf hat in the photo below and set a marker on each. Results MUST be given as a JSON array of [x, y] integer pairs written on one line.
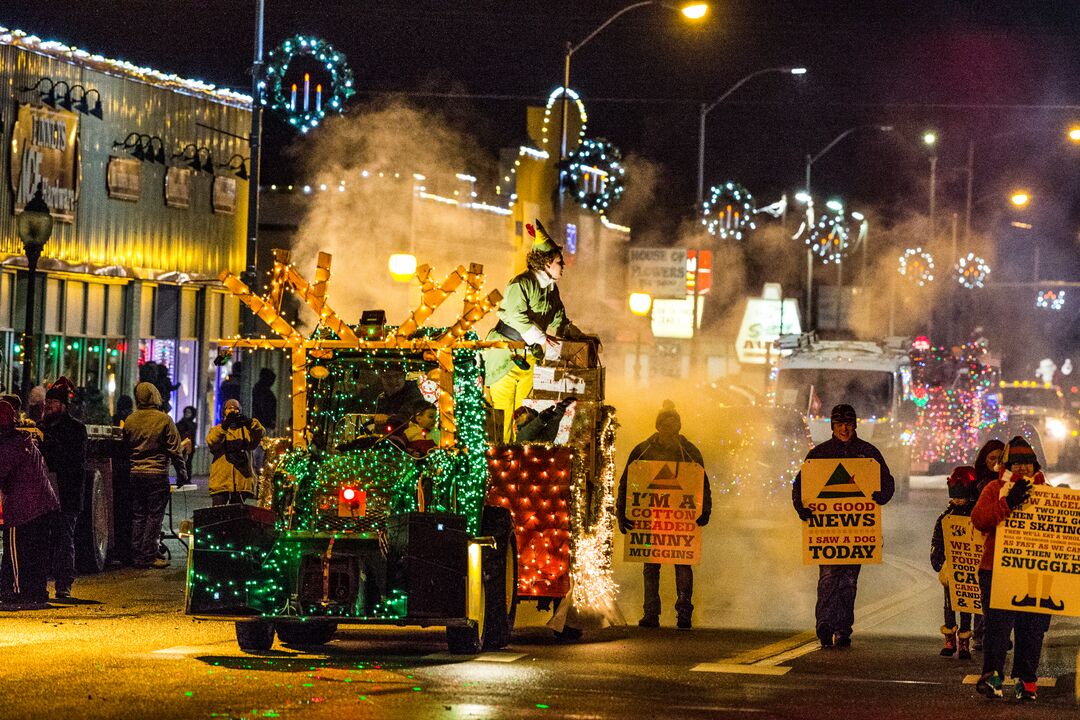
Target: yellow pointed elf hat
[[542, 240]]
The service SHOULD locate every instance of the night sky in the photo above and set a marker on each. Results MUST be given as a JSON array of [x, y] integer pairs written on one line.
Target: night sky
[[1000, 72]]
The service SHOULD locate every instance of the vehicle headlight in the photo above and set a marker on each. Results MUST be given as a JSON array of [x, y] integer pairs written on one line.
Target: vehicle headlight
[[1056, 428]]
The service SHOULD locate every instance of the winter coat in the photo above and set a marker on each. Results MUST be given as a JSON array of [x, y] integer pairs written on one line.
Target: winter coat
[[937, 541], [532, 311], [854, 448], [151, 440], [651, 449], [992, 509], [64, 449], [24, 481], [231, 444]]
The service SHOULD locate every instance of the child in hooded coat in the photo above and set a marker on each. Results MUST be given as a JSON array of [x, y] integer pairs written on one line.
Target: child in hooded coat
[[962, 495]]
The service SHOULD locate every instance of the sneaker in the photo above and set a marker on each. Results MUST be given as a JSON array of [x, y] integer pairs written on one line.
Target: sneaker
[[989, 685], [62, 593], [843, 642], [1026, 691], [649, 622], [159, 564], [684, 623]]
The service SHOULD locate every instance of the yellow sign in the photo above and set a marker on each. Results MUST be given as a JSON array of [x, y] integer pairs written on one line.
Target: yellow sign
[[1037, 555], [846, 526], [963, 553], [663, 501], [43, 151]]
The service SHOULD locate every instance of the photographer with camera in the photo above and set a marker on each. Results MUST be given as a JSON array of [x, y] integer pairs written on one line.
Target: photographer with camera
[[232, 475]]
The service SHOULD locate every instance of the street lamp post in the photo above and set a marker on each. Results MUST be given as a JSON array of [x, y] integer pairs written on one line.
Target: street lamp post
[[35, 227], [640, 305], [691, 10], [810, 160], [706, 109]]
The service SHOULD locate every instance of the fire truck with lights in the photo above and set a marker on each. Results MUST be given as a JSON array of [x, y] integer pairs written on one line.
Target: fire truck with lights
[[355, 529]]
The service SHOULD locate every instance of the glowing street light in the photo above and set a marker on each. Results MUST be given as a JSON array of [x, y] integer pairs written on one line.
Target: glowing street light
[[402, 267], [1074, 133], [640, 303], [1020, 198], [695, 10], [929, 138]]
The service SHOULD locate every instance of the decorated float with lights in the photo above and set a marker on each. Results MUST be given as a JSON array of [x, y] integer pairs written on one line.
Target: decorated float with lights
[[352, 528]]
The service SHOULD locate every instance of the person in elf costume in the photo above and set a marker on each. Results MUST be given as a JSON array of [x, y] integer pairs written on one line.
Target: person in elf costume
[[531, 312], [963, 492], [1020, 471]]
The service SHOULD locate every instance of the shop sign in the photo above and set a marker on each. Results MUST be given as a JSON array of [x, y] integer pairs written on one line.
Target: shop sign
[[44, 147], [660, 272], [123, 179], [766, 318], [223, 195], [178, 187], [674, 318]]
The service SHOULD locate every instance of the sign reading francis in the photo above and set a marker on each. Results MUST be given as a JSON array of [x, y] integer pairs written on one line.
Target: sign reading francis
[[44, 150], [846, 526]]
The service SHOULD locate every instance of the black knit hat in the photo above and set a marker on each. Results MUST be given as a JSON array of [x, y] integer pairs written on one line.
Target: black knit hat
[[667, 410], [843, 414], [1019, 451]]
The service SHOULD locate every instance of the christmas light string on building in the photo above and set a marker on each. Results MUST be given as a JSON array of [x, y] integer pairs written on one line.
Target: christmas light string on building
[[556, 98], [728, 212]]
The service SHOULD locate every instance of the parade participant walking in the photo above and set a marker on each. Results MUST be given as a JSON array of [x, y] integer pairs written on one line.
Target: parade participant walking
[[531, 312], [263, 400], [986, 470], [64, 449], [1020, 471], [668, 444], [962, 495], [151, 442], [29, 502], [838, 584], [232, 475]]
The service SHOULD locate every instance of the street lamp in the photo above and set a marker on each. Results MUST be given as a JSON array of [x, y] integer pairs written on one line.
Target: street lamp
[[1074, 133], [691, 10], [1020, 198], [34, 226], [640, 305], [402, 267], [706, 109], [810, 160]]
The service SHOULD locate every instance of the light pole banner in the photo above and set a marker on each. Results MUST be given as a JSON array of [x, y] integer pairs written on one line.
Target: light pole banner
[[963, 553], [663, 501], [846, 526], [1037, 555], [661, 272]]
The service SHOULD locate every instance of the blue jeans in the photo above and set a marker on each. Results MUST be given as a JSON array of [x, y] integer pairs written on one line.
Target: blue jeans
[[149, 497], [835, 612], [1027, 628]]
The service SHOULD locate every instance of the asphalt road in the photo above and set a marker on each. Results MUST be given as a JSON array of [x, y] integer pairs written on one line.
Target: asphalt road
[[127, 650]]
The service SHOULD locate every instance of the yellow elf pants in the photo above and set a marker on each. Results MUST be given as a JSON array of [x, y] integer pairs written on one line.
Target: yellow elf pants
[[507, 394]]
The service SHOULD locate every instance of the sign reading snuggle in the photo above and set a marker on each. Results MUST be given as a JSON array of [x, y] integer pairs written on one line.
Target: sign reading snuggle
[[663, 501], [846, 526]]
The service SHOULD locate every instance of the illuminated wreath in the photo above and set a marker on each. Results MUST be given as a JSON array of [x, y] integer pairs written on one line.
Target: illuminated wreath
[[729, 211], [596, 175], [917, 266], [829, 239], [972, 271], [285, 102]]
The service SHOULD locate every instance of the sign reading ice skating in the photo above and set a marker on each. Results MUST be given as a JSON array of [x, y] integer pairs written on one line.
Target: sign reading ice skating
[[765, 320], [663, 501], [963, 552], [1037, 555], [846, 526], [661, 272]]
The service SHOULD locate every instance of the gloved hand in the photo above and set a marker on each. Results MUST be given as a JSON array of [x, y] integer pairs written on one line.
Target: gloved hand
[[703, 520], [1018, 493], [878, 497], [625, 525], [805, 514]]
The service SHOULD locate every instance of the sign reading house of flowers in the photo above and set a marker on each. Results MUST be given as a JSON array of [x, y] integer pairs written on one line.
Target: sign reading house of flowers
[[44, 150]]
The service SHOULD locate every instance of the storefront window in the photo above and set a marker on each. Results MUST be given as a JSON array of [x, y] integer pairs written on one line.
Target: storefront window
[[72, 360], [51, 355], [187, 393], [114, 357]]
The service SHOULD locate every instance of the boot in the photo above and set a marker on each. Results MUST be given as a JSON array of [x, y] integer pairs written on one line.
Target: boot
[[963, 644], [950, 641]]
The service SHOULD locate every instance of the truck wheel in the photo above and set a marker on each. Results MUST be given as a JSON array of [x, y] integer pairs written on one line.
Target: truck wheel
[[500, 574], [92, 530], [310, 632], [254, 635]]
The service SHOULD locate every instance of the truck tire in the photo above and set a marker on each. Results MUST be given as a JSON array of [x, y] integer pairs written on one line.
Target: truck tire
[[92, 529], [254, 635], [500, 572], [310, 632]]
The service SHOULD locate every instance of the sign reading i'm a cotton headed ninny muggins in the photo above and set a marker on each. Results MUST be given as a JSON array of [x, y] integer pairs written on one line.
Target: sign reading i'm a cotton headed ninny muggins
[[663, 501], [846, 526]]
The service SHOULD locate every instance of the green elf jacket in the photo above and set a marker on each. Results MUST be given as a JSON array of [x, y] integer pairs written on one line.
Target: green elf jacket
[[533, 308]]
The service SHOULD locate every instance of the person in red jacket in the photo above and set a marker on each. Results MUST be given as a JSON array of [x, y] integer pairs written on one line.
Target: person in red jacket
[[1020, 471]]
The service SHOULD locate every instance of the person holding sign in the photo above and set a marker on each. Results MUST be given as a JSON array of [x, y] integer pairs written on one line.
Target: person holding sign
[[962, 495], [1020, 471], [666, 512], [838, 584]]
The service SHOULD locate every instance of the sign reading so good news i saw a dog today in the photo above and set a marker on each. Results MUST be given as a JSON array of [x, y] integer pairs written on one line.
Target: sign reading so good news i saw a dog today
[[846, 526], [663, 501]]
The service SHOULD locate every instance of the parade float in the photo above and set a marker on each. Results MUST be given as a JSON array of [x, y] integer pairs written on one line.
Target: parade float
[[352, 528]]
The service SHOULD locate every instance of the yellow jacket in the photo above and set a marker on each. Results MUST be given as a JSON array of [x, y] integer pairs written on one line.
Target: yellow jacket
[[231, 444]]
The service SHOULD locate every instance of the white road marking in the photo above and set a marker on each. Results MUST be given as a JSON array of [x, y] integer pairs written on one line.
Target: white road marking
[[735, 669], [491, 657], [1044, 682]]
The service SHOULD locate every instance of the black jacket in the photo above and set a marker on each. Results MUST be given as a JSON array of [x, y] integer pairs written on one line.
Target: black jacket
[[64, 450], [937, 542], [855, 448], [264, 404], [651, 449]]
